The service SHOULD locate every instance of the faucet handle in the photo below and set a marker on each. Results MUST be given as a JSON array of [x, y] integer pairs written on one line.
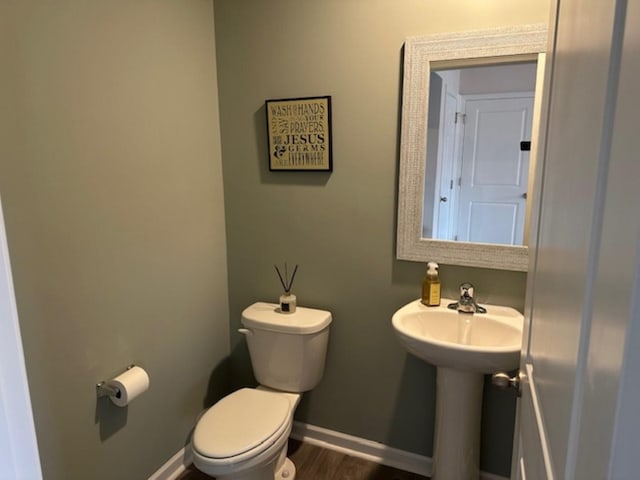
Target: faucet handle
[[466, 290]]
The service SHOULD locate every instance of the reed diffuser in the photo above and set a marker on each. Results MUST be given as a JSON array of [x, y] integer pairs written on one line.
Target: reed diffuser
[[287, 299]]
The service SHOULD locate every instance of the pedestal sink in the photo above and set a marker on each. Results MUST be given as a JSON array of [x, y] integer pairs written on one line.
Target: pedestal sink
[[463, 347]]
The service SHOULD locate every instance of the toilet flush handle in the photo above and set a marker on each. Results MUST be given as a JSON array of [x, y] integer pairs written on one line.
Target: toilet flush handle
[[245, 331]]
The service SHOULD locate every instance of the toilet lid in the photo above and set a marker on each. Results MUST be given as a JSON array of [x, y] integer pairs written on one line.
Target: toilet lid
[[240, 422]]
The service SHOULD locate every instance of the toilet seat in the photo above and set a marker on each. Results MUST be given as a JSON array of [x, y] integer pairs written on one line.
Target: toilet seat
[[241, 426]]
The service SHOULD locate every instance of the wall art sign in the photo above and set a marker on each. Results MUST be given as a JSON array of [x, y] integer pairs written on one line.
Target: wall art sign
[[299, 132]]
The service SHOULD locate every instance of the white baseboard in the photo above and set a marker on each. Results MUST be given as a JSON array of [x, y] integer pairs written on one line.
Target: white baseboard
[[175, 466], [369, 450]]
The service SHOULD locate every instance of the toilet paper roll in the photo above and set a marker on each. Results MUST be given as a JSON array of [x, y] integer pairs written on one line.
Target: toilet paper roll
[[130, 384]]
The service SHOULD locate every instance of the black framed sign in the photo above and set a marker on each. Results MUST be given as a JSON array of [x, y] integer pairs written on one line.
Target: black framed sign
[[299, 134]]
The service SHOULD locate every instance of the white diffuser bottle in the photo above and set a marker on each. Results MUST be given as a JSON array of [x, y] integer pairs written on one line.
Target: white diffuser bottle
[[287, 303]]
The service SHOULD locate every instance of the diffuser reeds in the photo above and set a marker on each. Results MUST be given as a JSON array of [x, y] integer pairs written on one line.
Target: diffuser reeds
[[286, 282]]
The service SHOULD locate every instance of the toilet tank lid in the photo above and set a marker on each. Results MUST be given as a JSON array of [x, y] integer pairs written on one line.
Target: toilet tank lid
[[267, 316]]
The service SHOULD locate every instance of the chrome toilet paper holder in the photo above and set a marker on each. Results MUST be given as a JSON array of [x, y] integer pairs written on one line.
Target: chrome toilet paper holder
[[104, 389]]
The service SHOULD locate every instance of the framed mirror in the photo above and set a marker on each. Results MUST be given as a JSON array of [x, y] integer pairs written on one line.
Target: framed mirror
[[470, 113]]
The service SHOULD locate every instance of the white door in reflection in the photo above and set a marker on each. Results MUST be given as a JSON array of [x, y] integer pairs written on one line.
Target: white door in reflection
[[494, 169], [444, 213]]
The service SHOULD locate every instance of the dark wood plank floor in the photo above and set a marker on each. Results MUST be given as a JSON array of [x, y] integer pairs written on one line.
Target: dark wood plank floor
[[315, 463]]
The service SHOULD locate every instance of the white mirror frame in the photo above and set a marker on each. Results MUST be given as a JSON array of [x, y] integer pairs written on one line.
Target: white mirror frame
[[419, 53]]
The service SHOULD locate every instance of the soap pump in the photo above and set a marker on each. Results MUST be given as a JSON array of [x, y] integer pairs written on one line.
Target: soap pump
[[431, 286]]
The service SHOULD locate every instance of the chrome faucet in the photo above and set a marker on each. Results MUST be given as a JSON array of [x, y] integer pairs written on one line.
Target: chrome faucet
[[467, 304]]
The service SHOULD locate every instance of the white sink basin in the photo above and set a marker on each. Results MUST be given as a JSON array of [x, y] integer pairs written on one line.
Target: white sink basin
[[479, 342]]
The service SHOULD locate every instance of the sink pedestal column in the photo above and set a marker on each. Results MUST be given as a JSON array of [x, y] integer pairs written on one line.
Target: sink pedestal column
[[456, 443]]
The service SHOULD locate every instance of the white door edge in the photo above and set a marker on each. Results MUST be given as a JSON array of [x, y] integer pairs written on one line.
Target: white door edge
[[21, 460]]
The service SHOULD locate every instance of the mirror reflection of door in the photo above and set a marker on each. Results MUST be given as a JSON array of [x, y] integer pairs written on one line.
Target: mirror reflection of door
[[478, 117], [494, 169], [442, 143]]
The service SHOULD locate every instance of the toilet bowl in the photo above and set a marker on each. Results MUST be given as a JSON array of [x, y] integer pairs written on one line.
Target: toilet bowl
[[244, 436]]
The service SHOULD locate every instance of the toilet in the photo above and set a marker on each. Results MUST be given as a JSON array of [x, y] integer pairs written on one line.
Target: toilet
[[244, 436]]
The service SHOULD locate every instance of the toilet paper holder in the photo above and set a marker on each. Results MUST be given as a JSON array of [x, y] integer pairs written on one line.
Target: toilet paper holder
[[104, 389]]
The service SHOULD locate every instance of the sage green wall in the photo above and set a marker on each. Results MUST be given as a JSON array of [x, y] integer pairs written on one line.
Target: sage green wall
[[340, 226], [110, 176]]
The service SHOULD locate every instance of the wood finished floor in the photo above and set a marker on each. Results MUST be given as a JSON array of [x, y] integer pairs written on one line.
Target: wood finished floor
[[316, 463]]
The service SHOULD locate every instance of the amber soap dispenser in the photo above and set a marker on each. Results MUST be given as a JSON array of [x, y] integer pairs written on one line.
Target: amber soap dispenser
[[431, 286]]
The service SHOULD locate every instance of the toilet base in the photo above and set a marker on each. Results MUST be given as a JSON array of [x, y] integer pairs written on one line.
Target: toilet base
[[278, 467], [286, 472]]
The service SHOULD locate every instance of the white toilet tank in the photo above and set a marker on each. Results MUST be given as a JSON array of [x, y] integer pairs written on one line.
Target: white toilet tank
[[288, 350]]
